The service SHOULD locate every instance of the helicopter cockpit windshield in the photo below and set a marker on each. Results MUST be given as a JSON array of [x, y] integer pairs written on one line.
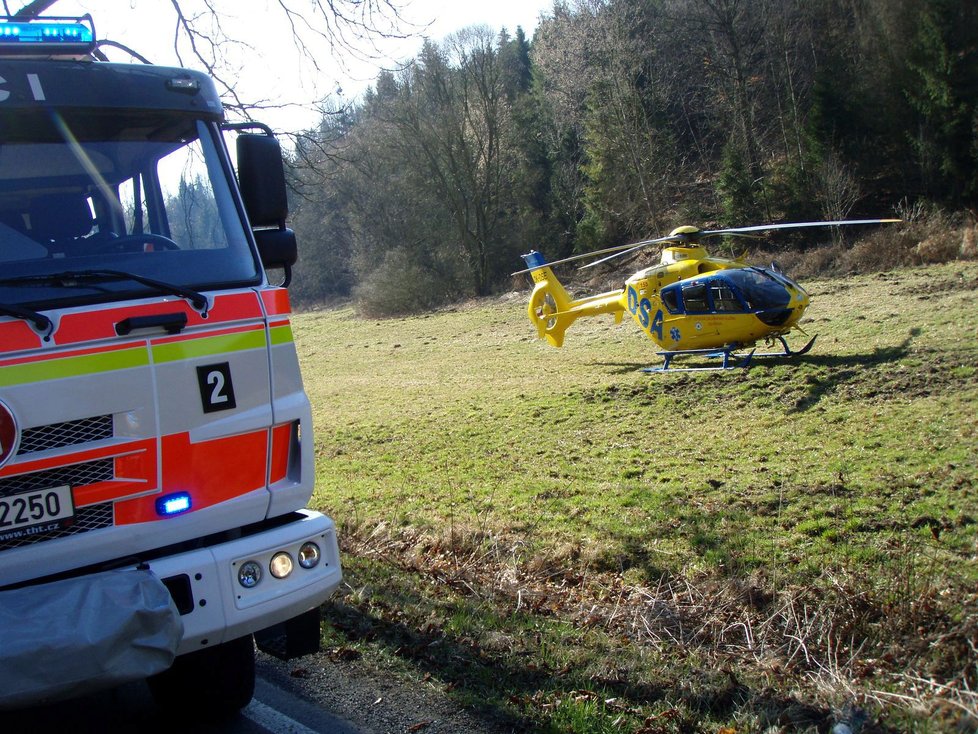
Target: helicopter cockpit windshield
[[140, 193], [741, 290]]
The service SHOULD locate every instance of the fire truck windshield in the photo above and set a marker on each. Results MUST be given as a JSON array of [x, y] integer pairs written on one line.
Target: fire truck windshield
[[139, 192]]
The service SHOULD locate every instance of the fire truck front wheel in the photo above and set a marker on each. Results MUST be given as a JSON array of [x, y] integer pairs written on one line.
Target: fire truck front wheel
[[219, 680]]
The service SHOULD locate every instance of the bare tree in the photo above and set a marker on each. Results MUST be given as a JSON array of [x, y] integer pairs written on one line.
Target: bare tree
[[730, 40], [342, 31], [451, 121]]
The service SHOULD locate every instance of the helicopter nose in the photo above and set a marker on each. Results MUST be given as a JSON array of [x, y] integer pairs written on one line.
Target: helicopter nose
[[775, 316]]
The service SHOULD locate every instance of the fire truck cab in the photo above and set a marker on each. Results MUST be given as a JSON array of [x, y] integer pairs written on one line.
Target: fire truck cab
[[156, 451]]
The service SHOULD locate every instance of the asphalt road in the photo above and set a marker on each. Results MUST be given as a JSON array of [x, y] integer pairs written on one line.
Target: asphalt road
[[130, 708]]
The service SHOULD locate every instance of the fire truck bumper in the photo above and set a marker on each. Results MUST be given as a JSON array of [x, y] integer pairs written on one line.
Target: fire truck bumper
[[70, 637], [75, 636], [259, 580]]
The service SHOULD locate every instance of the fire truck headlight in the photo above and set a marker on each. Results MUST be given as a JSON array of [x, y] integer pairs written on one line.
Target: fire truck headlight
[[281, 565], [249, 574], [309, 555]]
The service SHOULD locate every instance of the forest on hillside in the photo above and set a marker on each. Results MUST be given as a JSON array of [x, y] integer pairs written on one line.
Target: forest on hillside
[[623, 119]]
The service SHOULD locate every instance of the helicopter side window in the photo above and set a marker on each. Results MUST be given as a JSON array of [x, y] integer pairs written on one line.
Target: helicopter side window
[[694, 298], [724, 299], [670, 298]]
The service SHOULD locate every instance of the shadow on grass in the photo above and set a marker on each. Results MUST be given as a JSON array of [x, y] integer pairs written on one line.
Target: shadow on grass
[[879, 356], [840, 370], [510, 691], [514, 685], [817, 376], [733, 554]]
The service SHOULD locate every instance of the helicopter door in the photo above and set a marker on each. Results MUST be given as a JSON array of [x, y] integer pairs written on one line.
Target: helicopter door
[[724, 299], [670, 299], [702, 297], [694, 298]]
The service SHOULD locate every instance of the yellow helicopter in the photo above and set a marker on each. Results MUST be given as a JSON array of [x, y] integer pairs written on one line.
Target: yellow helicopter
[[690, 303]]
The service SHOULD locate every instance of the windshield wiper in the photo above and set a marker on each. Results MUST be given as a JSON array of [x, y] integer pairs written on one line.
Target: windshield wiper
[[82, 278], [42, 322]]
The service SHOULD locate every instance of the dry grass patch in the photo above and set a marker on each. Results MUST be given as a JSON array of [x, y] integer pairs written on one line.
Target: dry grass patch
[[834, 642]]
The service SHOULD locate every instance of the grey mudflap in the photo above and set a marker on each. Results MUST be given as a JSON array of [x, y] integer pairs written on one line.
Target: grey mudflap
[[70, 637]]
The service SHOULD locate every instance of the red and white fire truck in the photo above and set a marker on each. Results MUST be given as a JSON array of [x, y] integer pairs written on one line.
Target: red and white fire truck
[[156, 449]]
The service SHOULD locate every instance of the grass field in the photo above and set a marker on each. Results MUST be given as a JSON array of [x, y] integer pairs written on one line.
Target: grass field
[[573, 545]]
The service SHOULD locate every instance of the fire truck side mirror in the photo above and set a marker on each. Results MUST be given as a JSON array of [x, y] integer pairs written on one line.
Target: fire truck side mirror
[[261, 177], [277, 249]]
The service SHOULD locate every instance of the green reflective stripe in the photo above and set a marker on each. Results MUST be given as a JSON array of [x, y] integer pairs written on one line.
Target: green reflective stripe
[[120, 359], [86, 364], [282, 334], [209, 346]]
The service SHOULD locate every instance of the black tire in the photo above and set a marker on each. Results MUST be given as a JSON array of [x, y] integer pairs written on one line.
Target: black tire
[[216, 682]]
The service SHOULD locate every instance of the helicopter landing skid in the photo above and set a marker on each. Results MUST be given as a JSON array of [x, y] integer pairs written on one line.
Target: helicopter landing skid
[[787, 351], [729, 357]]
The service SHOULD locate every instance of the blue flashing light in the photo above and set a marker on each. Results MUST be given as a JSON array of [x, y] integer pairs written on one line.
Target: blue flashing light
[[173, 504], [50, 34]]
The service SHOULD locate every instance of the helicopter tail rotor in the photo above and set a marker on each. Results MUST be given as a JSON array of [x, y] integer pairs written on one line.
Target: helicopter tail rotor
[[551, 308], [549, 303]]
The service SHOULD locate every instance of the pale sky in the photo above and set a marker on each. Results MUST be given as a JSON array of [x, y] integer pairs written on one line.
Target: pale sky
[[274, 69]]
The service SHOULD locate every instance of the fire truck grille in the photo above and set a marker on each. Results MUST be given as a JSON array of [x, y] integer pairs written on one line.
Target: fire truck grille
[[69, 433], [78, 475], [88, 518]]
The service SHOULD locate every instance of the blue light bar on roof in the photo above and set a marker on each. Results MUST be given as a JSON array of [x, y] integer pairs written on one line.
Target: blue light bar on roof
[[47, 35]]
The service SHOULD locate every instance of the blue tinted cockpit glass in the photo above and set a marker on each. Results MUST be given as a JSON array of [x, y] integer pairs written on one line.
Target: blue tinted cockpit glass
[[759, 289]]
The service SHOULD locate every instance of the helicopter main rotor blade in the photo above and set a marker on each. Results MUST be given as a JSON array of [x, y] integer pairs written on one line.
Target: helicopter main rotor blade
[[682, 237], [732, 231], [612, 253], [627, 251], [791, 225], [616, 248]]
